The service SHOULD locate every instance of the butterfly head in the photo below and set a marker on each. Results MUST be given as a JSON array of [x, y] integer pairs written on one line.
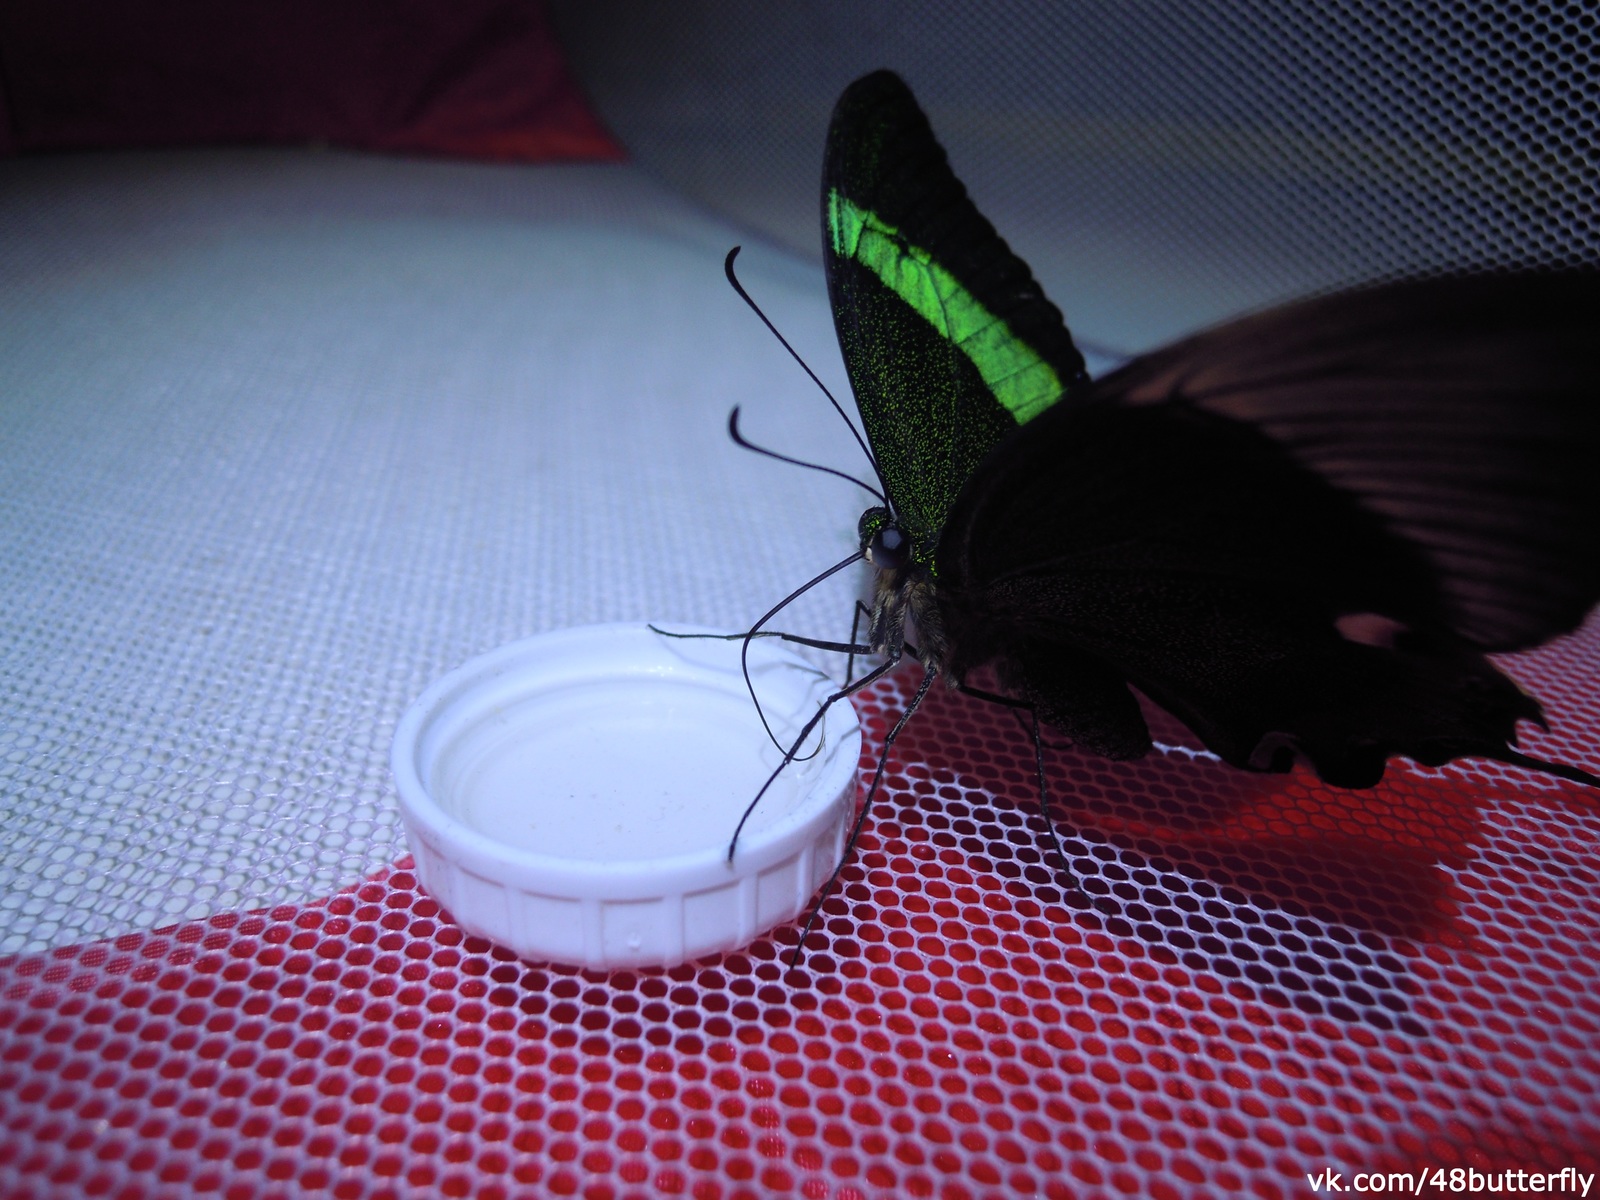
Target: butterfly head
[[885, 544]]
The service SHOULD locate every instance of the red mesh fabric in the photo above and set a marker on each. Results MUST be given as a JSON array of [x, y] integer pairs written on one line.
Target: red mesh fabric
[[1269, 979], [471, 78]]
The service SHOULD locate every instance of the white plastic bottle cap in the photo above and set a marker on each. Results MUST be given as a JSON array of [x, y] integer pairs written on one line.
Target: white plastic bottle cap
[[571, 796]]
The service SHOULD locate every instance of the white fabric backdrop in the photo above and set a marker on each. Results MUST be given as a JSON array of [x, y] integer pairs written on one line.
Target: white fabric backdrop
[[1160, 166], [285, 434]]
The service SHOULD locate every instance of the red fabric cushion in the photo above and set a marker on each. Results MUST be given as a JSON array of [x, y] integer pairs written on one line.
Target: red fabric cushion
[[478, 78]]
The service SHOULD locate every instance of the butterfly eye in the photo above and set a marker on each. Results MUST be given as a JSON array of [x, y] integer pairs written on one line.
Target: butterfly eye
[[889, 548]]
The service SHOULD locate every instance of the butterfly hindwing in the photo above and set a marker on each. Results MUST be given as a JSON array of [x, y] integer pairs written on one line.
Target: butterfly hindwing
[[948, 340], [1255, 530], [1465, 411]]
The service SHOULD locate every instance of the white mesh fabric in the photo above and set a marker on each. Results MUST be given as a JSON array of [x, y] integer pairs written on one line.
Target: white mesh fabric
[[1160, 166], [285, 435]]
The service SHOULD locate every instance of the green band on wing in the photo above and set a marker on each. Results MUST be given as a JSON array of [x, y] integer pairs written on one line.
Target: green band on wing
[[1022, 381]]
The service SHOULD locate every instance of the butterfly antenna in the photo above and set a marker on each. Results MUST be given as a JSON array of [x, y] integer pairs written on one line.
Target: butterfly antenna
[[745, 444], [727, 269], [755, 631]]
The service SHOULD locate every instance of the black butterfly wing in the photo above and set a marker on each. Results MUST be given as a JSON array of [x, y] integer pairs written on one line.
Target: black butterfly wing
[[948, 341], [1298, 531], [1465, 411]]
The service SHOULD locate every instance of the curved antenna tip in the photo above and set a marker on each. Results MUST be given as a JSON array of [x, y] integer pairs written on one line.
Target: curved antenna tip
[[733, 280], [745, 443]]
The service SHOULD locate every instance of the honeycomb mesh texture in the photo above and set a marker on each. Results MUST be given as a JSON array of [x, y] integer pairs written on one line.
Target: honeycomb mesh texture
[[1265, 979], [1160, 166], [285, 435]]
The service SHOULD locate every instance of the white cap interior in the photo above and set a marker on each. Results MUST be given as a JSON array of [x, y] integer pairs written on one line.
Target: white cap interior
[[572, 795]]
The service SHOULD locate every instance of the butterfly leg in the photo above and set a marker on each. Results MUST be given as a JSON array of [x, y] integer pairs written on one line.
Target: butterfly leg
[[855, 640], [866, 805], [1068, 875], [1560, 770]]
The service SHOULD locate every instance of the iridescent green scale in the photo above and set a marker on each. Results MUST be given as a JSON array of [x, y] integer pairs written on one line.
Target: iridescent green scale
[[949, 342]]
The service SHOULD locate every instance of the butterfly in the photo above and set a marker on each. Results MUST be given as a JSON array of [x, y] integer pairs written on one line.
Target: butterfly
[[1300, 533]]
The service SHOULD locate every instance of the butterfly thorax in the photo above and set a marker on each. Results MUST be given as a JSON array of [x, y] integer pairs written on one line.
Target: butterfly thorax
[[903, 594]]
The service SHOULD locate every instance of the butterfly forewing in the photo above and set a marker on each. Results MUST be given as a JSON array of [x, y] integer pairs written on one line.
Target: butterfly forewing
[[948, 341]]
